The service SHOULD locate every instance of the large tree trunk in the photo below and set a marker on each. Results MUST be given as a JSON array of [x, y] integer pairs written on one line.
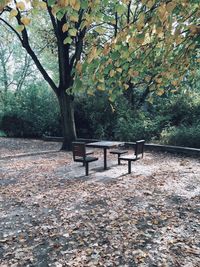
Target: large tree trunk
[[67, 116]]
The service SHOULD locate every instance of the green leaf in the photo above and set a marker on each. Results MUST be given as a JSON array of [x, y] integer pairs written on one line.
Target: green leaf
[[51, 2], [20, 28], [115, 55], [68, 40], [100, 30], [78, 85], [60, 14], [84, 4], [73, 32], [120, 9]]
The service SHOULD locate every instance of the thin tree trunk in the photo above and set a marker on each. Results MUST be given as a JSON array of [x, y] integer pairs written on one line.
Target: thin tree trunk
[[67, 117]]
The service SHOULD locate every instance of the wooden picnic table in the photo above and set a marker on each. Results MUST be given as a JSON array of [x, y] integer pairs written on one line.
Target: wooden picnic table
[[105, 145]]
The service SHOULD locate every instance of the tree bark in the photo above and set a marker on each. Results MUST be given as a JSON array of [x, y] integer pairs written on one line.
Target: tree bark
[[67, 119]]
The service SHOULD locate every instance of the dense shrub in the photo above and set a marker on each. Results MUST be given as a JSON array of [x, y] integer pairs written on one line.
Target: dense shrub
[[94, 117], [182, 136], [173, 120], [31, 113], [161, 122]]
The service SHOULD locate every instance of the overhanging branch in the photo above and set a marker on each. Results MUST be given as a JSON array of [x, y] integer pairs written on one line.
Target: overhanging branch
[[18, 35]]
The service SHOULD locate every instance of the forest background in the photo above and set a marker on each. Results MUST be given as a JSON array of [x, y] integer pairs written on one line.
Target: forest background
[[30, 109]]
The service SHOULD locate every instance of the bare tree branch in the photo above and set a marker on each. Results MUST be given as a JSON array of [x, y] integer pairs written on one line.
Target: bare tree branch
[[18, 35]]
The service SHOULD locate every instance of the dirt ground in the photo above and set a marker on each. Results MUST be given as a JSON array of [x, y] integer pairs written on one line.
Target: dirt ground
[[52, 215]]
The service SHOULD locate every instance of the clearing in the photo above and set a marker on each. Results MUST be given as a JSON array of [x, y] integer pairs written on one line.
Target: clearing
[[52, 215]]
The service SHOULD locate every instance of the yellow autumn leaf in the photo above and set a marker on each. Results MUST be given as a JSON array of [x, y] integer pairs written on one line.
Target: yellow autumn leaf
[[173, 91], [79, 67], [112, 73], [159, 30], [101, 80], [26, 21], [194, 29], [162, 9], [178, 40], [141, 17], [72, 2], [126, 86], [13, 13], [77, 6], [109, 61], [112, 108], [144, 2], [162, 12], [126, 1], [63, 3], [90, 93], [160, 92], [20, 5], [119, 70], [175, 83], [150, 100], [133, 73], [36, 3], [73, 18], [170, 6], [168, 75], [65, 27], [147, 78], [139, 26], [159, 80], [150, 3], [106, 49], [42, 5], [92, 54], [54, 10], [100, 88]]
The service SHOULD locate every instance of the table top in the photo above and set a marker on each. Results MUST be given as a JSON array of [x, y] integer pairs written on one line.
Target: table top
[[104, 144]]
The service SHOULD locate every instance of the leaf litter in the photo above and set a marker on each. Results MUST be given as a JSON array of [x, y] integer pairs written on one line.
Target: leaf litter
[[52, 215]]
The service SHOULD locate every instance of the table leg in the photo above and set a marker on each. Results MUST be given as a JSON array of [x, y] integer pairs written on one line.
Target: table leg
[[105, 158]]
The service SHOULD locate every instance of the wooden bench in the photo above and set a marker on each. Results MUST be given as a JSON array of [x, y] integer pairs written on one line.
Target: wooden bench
[[139, 151], [80, 155]]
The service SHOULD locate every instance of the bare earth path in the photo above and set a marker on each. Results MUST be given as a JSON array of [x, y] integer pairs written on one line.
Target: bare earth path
[[52, 215]]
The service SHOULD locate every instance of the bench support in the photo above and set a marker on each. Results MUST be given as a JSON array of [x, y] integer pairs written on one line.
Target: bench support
[[80, 155], [129, 166], [118, 152], [139, 150], [86, 169]]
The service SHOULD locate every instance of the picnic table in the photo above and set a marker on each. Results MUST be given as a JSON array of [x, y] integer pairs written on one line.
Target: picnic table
[[105, 145]]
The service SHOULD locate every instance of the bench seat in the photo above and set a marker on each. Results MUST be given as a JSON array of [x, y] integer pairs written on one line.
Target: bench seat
[[118, 152], [80, 155], [87, 159], [129, 157], [139, 150]]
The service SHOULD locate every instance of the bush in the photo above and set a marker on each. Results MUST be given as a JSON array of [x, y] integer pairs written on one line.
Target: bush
[[31, 113], [94, 117], [182, 136], [132, 125]]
